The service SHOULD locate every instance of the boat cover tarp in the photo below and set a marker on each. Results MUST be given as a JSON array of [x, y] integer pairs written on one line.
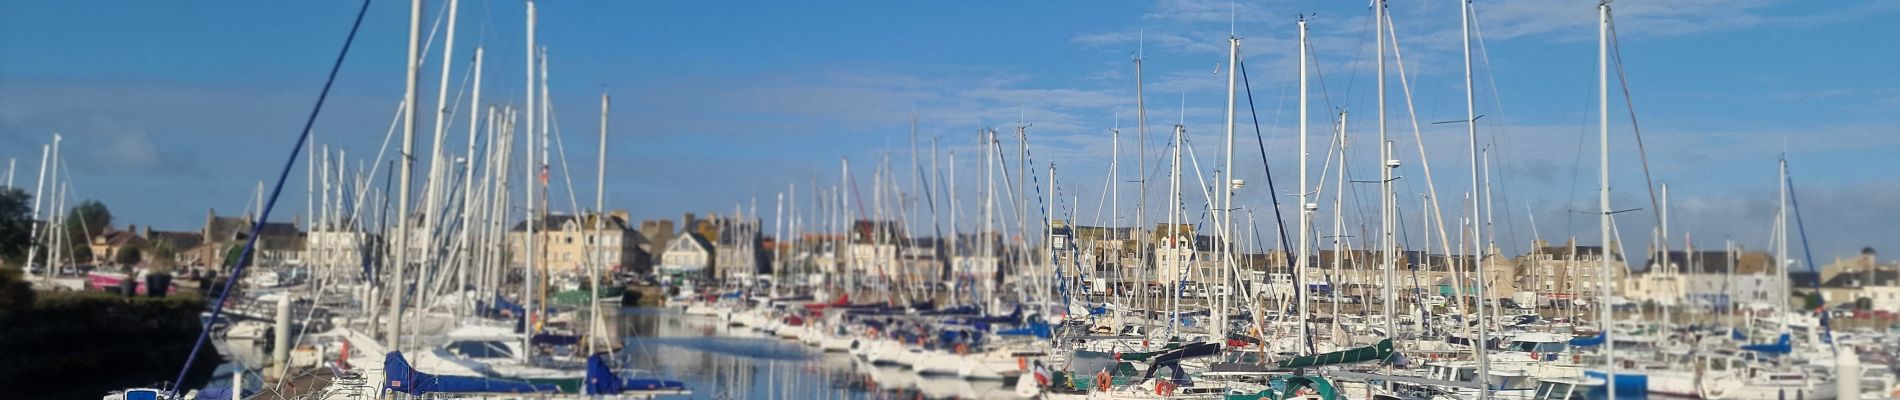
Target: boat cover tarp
[[1191, 350], [215, 393], [1588, 341], [1318, 384], [1780, 346], [1376, 352], [958, 310], [601, 380], [1036, 328], [402, 377], [555, 340], [1145, 355]]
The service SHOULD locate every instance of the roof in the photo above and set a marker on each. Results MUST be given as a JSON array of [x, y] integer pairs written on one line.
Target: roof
[[693, 238], [234, 228], [177, 240], [1878, 277], [585, 221], [119, 238], [1714, 262]]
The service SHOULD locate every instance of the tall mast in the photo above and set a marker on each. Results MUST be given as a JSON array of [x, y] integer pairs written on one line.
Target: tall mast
[[1175, 260], [39, 191], [467, 249], [1305, 209], [1225, 231], [600, 225], [393, 333], [1386, 164], [1141, 191], [530, 218], [1022, 206], [1115, 208], [1477, 231], [438, 156], [1781, 241], [1603, 190], [1339, 222], [989, 212]]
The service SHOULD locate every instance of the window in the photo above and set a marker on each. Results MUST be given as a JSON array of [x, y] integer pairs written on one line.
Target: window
[[480, 349]]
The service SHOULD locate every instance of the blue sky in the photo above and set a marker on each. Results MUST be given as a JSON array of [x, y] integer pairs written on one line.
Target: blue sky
[[172, 108]]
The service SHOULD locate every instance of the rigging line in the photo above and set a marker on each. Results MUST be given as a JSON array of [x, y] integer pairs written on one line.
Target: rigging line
[[1323, 94], [1808, 253], [1497, 103], [1352, 74], [1425, 164], [1642, 153], [250, 243], [1279, 219]]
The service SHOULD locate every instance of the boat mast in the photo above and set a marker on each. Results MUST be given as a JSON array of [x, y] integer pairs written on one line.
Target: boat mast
[[1603, 193], [1477, 231], [1339, 224], [39, 191], [393, 333], [1225, 231], [427, 271], [599, 241], [1781, 241], [1141, 196], [1115, 212], [1175, 258], [989, 213], [1305, 209], [530, 217], [467, 249], [1386, 165]]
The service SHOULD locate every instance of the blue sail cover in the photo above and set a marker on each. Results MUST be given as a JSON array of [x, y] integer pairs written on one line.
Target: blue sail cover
[[1781, 346], [554, 340], [1589, 341], [1037, 328], [402, 377], [601, 380]]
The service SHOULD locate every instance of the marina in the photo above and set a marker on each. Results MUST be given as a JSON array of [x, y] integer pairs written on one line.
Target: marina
[[1213, 256]]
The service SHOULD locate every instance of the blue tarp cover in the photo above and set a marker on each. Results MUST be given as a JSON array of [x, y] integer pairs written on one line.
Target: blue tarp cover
[[402, 377], [1781, 346], [601, 380], [1588, 341]]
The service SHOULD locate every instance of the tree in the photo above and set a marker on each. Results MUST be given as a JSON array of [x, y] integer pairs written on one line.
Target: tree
[[16, 224], [129, 256], [163, 255], [85, 221]]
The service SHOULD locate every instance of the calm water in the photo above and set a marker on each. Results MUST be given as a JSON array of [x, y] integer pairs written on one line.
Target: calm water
[[721, 363]]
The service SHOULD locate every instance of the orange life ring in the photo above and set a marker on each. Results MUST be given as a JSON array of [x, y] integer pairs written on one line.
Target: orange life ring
[[1102, 381], [1534, 356], [963, 349], [1164, 388]]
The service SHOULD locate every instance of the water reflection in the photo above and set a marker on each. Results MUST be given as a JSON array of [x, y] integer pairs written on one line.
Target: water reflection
[[718, 362]]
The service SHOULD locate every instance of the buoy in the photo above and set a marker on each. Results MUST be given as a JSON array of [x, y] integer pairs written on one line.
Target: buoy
[[1022, 364], [963, 349], [1534, 356], [1102, 381]]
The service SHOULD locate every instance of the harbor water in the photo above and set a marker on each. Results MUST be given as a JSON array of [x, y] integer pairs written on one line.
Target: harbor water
[[718, 362]]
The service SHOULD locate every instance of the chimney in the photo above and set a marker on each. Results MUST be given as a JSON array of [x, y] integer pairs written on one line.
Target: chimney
[[147, 233], [619, 214]]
